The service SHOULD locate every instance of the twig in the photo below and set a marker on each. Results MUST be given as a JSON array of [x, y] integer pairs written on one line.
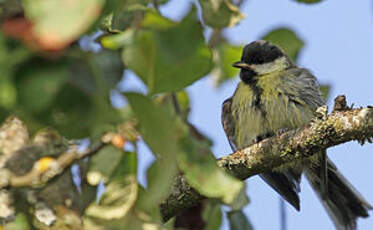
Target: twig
[[37, 176]]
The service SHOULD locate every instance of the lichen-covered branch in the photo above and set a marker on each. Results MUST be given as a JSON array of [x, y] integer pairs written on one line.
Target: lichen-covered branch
[[46, 168], [37, 175], [342, 125]]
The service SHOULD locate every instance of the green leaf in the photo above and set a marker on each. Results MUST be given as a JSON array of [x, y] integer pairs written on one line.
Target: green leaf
[[308, 1], [220, 13], [19, 223], [212, 215], [325, 91], [171, 138], [8, 93], [166, 61], [202, 173], [123, 14], [118, 199], [134, 220], [287, 39], [117, 41], [39, 83], [225, 55], [70, 105], [57, 22], [158, 128], [153, 20], [238, 221], [103, 164], [60, 92]]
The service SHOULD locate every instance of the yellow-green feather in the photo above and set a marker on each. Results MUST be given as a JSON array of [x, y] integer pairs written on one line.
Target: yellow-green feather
[[280, 112]]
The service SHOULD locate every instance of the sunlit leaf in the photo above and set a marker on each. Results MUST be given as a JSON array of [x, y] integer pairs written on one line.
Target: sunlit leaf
[[287, 39], [220, 13], [166, 61], [117, 41], [57, 23], [238, 221], [118, 199]]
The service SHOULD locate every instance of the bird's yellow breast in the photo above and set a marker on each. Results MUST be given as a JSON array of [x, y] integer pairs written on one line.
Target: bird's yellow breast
[[273, 111]]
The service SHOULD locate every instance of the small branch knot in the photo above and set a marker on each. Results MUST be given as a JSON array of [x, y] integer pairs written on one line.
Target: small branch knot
[[340, 103]]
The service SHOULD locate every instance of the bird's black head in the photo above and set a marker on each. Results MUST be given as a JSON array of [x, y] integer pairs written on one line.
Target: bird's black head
[[260, 52], [259, 57]]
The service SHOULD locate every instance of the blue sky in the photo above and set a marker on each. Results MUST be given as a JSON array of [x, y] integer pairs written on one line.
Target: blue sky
[[338, 49]]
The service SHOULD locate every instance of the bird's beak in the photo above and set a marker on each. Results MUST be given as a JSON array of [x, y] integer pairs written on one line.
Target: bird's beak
[[242, 65]]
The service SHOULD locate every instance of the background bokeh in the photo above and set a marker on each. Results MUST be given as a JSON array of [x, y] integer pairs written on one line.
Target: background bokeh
[[338, 38]]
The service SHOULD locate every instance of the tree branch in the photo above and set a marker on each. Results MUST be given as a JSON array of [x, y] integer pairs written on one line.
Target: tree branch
[[47, 168], [342, 125]]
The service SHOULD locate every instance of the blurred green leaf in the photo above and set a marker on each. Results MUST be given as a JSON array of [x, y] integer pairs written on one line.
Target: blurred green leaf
[[202, 173], [118, 199], [124, 14], [325, 91], [19, 223], [11, 54], [158, 129], [220, 13], [103, 164], [166, 61], [154, 20], [57, 23], [8, 92], [238, 221], [168, 136], [157, 126], [39, 83], [287, 39], [117, 41], [134, 220], [97, 71], [225, 55], [309, 1], [212, 215], [127, 165], [69, 108], [64, 92]]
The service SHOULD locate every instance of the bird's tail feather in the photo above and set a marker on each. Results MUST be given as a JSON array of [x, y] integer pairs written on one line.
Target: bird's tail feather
[[285, 184], [342, 201]]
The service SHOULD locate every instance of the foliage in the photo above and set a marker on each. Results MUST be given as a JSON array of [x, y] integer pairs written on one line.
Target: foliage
[[59, 63]]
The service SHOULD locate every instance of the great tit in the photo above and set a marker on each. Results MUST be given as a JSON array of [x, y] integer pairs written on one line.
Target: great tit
[[275, 95]]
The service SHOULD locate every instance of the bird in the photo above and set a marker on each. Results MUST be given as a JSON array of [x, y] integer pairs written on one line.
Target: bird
[[273, 96]]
